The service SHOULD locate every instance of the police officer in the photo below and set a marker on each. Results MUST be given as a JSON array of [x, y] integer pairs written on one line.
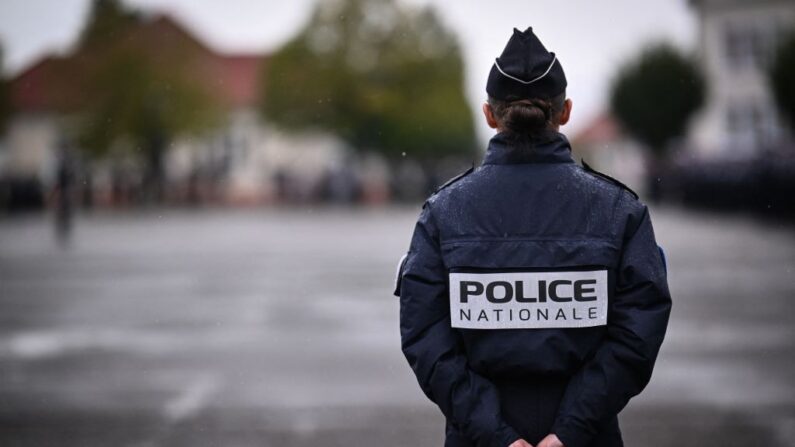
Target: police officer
[[533, 297]]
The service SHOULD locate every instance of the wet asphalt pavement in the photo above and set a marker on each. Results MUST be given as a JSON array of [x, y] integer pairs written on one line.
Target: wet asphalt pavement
[[278, 328]]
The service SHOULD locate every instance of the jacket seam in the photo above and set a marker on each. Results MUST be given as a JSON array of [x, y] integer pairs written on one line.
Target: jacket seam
[[528, 162], [522, 239]]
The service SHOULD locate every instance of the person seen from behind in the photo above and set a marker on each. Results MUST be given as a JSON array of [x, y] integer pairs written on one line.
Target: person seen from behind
[[533, 297]]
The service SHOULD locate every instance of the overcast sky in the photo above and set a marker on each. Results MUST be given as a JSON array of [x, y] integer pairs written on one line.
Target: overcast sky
[[590, 37]]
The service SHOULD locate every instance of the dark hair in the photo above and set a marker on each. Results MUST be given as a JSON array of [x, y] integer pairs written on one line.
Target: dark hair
[[528, 117]]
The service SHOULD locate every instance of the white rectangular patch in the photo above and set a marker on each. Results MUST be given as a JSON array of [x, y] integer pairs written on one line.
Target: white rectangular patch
[[528, 300]]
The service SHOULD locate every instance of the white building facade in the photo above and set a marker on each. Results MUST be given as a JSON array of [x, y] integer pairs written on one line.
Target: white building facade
[[242, 160], [737, 43]]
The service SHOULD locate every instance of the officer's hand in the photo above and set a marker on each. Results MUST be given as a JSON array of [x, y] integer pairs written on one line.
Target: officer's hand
[[551, 441], [521, 443]]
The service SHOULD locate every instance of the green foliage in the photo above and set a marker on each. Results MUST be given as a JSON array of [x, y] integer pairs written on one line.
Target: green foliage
[[782, 79], [107, 20], [140, 96], [380, 76], [655, 96], [139, 102]]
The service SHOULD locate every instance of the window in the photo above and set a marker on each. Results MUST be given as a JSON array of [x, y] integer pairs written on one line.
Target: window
[[749, 45], [747, 126]]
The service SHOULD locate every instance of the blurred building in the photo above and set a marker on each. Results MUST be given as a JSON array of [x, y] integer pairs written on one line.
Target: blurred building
[[739, 121], [242, 161], [604, 146], [736, 45]]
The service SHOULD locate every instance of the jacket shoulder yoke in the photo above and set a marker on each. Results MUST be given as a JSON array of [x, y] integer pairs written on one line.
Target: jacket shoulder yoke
[[604, 176]]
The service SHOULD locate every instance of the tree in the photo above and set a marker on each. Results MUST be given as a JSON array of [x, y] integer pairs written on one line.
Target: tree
[[380, 76], [781, 75], [108, 20], [5, 97], [142, 106], [655, 96], [141, 97]]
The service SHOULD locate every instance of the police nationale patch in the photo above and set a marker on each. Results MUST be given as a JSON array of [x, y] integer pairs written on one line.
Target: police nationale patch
[[528, 299]]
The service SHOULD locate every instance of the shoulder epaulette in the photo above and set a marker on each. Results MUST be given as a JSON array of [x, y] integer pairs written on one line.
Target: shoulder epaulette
[[608, 178], [450, 182]]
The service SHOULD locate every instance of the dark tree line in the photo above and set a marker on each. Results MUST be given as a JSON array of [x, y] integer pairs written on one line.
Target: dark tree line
[[782, 78]]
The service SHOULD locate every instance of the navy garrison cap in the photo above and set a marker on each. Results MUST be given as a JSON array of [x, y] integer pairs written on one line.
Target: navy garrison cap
[[525, 70]]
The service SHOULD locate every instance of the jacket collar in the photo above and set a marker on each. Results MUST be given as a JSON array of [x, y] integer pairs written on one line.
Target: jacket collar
[[549, 147]]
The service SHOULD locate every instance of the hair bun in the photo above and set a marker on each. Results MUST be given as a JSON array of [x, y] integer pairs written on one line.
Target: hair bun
[[527, 116]]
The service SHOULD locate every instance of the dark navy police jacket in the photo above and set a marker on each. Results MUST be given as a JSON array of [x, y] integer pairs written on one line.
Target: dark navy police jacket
[[533, 299]]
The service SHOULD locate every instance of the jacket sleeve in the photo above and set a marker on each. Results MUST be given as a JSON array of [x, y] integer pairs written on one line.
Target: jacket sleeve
[[636, 324], [434, 350]]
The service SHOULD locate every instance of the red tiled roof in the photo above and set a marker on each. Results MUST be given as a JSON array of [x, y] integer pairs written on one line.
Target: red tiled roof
[[241, 78], [604, 129], [45, 86], [52, 83]]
